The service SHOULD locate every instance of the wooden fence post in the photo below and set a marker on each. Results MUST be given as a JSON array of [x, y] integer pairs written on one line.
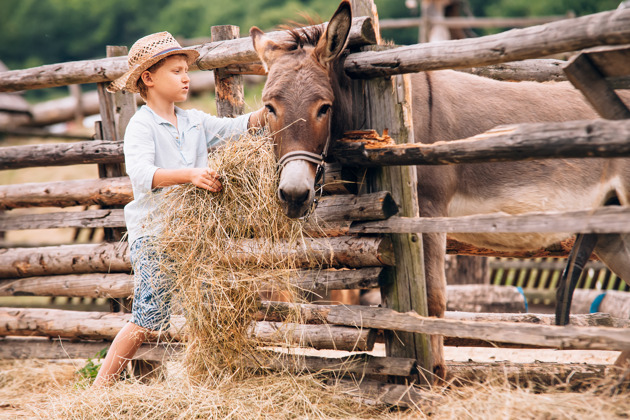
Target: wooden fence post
[[380, 104], [228, 88]]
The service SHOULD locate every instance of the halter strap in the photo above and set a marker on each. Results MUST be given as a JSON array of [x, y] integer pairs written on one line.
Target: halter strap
[[301, 155]]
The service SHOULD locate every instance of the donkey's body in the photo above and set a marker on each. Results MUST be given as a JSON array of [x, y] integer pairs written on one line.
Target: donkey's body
[[308, 91], [449, 105]]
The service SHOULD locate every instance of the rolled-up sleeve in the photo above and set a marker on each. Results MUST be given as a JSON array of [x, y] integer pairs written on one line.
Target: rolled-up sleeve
[[219, 130], [139, 151]]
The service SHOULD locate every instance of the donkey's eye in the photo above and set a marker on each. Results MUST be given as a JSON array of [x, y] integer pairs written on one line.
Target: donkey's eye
[[270, 109], [323, 110]]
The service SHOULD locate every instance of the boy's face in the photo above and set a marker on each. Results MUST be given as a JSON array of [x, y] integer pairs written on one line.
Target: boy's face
[[170, 82]]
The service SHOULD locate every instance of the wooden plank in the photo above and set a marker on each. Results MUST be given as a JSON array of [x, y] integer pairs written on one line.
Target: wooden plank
[[350, 252], [228, 87], [61, 154], [605, 28], [386, 104], [588, 78], [213, 55], [613, 219], [570, 139], [110, 191]]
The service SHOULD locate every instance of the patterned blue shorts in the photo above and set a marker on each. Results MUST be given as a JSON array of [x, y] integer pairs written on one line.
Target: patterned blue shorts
[[153, 288]]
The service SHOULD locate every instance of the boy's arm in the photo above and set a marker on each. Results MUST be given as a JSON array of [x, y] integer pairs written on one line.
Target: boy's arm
[[201, 177]]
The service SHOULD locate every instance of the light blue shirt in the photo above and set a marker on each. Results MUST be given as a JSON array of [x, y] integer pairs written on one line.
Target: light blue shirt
[[151, 143]]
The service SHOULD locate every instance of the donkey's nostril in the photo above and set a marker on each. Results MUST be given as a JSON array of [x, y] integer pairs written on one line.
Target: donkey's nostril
[[292, 195]]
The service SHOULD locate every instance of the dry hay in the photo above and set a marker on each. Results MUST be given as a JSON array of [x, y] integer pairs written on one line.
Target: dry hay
[[225, 249], [279, 396]]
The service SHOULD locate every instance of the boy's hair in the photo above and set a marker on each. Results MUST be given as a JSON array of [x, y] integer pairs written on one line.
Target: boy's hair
[[142, 88]]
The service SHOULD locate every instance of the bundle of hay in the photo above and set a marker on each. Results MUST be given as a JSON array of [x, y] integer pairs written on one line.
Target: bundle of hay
[[225, 249]]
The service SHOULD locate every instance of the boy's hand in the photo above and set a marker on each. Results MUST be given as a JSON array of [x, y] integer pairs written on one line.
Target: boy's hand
[[206, 178]]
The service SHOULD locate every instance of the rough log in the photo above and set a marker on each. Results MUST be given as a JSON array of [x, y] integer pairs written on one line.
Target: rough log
[[97, 285], [484, 298], [570, 139], [332, 209], [605, 28], [45, 348], [75, 325], [568, 337], [312, 313], [213, 55], [316, 336], [64, 259], [611, 219], [104, 325], [535, 70], [117, 191], [61, 154], [107, 192], [351, 252], [69, 219], [229, 94], [120, 285], [559, 250]]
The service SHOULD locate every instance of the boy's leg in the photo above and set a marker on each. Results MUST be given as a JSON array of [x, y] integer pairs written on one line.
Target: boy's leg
[[123, 348]]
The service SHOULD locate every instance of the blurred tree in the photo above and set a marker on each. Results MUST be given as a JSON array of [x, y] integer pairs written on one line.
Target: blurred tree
[[36, 32]]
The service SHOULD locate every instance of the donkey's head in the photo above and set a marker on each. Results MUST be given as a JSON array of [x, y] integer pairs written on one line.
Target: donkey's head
[[305, 107]]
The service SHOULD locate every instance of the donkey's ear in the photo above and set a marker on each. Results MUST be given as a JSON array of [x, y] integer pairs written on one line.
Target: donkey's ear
[[266, 49], [334, 40]]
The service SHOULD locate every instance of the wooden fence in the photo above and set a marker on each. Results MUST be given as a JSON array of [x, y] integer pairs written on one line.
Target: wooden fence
[[102, 270]]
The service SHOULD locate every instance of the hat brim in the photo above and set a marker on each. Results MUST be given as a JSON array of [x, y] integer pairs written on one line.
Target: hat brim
[[129, 80]]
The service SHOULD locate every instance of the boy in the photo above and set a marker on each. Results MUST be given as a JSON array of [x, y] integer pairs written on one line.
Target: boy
[[164, 146]]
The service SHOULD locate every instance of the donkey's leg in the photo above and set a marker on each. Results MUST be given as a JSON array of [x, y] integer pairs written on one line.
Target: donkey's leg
[[434, 245], [613, 249], [581, 252]]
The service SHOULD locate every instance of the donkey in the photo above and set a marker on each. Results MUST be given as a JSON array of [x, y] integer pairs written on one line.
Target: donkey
[[308, 100]]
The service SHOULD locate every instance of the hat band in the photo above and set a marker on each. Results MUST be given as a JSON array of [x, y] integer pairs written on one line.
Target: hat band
[[166, 51]]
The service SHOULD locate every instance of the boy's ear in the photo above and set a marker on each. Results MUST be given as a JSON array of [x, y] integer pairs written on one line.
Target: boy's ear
[[266, 49], [146, 78]]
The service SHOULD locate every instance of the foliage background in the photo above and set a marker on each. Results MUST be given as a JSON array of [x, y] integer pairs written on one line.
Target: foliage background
[[36, 32]]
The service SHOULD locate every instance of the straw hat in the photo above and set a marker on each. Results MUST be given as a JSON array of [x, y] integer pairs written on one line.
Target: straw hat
[[144, 53]]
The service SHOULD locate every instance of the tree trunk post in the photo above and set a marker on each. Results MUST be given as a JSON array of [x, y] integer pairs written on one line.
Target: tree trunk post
[[228, 88], [385, 104]]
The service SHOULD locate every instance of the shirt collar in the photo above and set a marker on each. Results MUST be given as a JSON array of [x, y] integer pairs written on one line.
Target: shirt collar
[[180, 113]]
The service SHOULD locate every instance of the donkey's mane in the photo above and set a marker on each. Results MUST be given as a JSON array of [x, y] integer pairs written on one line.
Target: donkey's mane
[[304, 36]]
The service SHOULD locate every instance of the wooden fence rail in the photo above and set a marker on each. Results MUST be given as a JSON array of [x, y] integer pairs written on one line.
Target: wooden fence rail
[[356, 320], [213, 55], [605, 28], [589, 138]]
